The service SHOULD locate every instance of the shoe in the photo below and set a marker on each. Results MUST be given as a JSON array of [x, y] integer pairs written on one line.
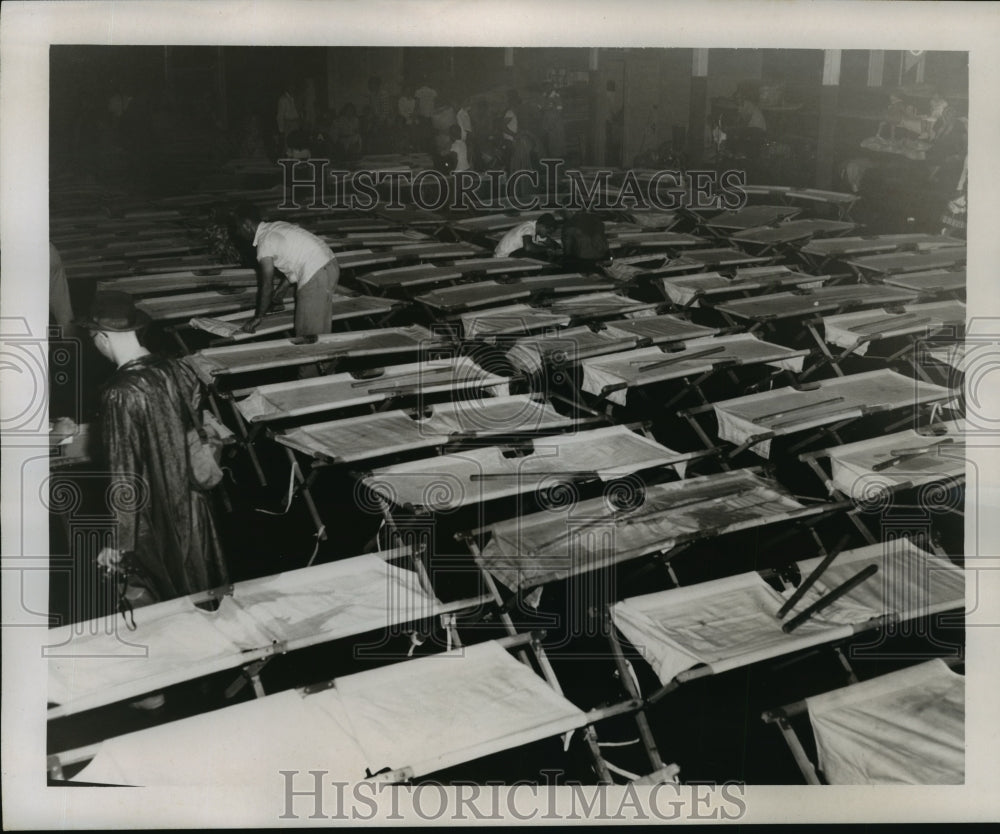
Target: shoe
[[150, 703]]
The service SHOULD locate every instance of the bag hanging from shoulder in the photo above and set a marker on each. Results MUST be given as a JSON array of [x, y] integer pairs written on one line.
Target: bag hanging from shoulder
[[204, 445]]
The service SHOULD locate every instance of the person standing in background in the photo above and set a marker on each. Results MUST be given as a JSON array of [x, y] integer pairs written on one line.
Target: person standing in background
[[287, 117]]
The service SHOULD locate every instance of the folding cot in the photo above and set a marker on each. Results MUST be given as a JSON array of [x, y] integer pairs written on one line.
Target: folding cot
[[101, 662], [211, 364], [653, 219], [229, 327], [749, 217], [711, 258], [841, 202], [944, 257], [517, 319], [768, 239], [376, 240], [798, 308], [902, 728], [484, 225], [166, 283], [714, 627], [276, 402], [855, 332], [434, 251], [498, 323], [441, 427], [475, 476], [754, 421], [821, 252], [457, 299], [412, 216], [422, 275], [391, 724], [657, 239], [283, 400], [930, 283], [529, 551], [688, 290], [869, 472], [172, 308], [610, 378]]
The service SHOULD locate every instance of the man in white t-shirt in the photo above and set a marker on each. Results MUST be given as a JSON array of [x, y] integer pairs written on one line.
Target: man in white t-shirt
[[304, 259], [533, 237]]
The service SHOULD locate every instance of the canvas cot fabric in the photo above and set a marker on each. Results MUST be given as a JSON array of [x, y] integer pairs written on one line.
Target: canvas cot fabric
[[176, 640], [904, 728], [729, 623], [626, 369], [424, 714], [844, 398], [373, 435], [857, 330], [446, 482], [541, 547]]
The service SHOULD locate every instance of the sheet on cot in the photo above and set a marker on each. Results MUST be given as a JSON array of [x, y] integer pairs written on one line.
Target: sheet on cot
[[791, 231], [750, 217], [725, 624], [834, 247], [892, 262], [188, 305], [230, 325], [267, 403], [786, 411], [279, 353], [915, 458], [534, 549], [391, 432], [176, 282], [685, 290], [625, 370], [487, 293], [858, 330], [100, 662], [784, 305], [472, 476], [930, 282], [903, 728], [424, 714]]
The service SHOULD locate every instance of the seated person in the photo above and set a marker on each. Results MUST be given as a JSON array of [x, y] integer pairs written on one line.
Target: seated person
[[533, 237], [584, 242]]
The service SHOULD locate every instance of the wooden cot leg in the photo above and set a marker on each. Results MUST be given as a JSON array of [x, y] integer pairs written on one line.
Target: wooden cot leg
[[304, 484], [625, 674], [246, 441], [798, 752]]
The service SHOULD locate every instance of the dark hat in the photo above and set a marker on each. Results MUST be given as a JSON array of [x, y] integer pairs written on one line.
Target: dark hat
[[114, 311]]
